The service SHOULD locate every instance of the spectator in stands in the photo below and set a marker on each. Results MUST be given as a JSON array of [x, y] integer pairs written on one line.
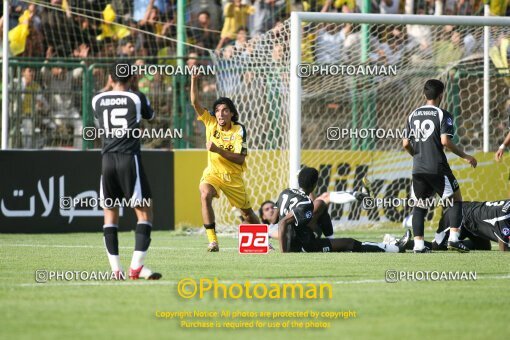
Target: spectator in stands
[[124, 9], [241, 39], [108, 49], [151, 22], [203, 34], [420, 40], [228, 80], [448, 48], [64, 110], [235, 16], [392, 51], [87, 31], [266, 14], [35, 43], [389, 6], [351, 50], [127, 48], [144, 81], [498, 7], [140, 7], [32, 110], [59, 28], [329, 43], [352, 6]]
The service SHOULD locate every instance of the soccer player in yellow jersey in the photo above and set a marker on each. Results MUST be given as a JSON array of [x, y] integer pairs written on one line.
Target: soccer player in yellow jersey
[[226, 146]]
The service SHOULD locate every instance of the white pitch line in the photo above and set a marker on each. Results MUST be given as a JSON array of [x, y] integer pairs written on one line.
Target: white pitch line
[[171, 283], [100, 247]]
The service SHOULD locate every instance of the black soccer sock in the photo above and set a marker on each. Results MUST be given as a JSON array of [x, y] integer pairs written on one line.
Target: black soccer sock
[[325, 224], [366, 247], [111, 242], [455, 215], [111, 239], [142, 242], [143, 236], [419, 221], [355, 246], [344, 244]]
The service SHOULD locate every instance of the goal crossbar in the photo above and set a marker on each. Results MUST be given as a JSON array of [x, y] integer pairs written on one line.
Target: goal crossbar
[[295, 91]]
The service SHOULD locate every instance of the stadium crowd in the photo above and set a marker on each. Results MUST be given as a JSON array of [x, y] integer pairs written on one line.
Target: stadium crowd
[[48, 100]]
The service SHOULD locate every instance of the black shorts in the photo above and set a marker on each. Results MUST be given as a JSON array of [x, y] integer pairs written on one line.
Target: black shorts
[[426, 185], [123, 177]]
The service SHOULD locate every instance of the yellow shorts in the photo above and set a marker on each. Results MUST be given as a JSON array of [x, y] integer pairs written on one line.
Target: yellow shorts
[[232, 186]]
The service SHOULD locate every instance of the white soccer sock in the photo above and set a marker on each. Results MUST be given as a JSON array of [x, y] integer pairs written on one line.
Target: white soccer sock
[[439, 237], [138, 259], [454, 236], [341, 197], [419, 244], [114, 262]]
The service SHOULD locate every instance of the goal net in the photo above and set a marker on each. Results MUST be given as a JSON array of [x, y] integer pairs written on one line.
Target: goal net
[[349, 122]]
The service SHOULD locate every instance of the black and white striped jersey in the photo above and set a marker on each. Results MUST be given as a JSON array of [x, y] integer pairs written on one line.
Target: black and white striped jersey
[[424, 127], [298, 202], [118, 115], [488, 219]]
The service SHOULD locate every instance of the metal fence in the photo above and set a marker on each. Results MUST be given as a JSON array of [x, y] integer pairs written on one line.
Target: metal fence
[[50, 103]]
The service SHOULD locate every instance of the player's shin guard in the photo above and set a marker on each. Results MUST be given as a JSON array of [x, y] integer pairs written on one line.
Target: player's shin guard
[[142, 242], [210, 229], [419, 221], [111, 242], [454, 221]]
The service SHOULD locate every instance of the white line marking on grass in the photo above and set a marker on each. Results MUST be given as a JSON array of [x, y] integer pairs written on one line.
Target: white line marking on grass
[[171, 283], [101, 247]]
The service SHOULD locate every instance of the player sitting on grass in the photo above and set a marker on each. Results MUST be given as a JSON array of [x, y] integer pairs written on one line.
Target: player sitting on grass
[[482, 222], [268, 211], [295, 211], [227, 150], [122, 174]]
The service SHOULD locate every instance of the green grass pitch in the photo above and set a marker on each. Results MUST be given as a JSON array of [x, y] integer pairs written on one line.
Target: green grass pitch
[[105, 310]]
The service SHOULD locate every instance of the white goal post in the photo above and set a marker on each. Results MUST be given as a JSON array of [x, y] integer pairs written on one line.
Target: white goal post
[[295, 89]]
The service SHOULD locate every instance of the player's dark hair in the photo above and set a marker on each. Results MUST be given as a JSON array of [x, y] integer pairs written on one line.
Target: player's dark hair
[[433, 88], [230, 105], [260, 210], [117, 71], [308, 178]]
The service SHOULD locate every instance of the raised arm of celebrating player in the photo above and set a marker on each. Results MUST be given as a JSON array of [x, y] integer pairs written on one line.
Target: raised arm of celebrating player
[[447, 143], [194, 95], [501, 150]]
